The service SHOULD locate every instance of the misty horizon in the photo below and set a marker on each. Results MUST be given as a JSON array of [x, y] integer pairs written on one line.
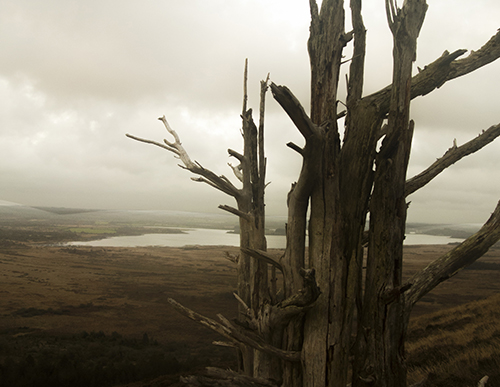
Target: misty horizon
[[73, 83]]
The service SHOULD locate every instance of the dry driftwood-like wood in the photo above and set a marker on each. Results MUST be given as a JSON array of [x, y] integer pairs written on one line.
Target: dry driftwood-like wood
[[263, 256], [253, 285], [294, 109], [307, 339], [219, 182], [442, 70], [237, 171], [452, 262], [307, 295], [451, 156], [235, 211], [379, 355], [232, 333]]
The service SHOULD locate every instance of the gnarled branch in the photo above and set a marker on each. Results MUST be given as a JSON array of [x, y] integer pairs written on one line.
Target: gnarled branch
[[236, 212], [451, 156], [485, 55], [308, 294], [294, 109], [444, 69], [452, 262], [232, 333], [219, 182]]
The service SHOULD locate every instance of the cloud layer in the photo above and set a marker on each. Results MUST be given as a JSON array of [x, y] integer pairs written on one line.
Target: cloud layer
[[76, 76]]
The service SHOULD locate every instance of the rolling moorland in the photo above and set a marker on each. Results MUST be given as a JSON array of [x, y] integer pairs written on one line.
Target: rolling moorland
[[83, 316]]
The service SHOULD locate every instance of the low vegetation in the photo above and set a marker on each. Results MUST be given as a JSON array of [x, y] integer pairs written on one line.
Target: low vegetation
[[458, 346], [86, 359], [61, 309], [454, 347]]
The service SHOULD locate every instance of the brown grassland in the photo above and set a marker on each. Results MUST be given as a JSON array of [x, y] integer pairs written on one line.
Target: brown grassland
[[100, 315]]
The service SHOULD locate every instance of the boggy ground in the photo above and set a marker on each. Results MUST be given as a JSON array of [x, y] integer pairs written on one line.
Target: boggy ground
[[84, 292], [71, 289]]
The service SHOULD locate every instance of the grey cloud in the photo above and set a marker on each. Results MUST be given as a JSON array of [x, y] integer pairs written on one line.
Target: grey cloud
[[76, 76]]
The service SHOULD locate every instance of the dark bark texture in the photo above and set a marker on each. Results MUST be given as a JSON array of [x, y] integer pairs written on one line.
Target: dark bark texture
[[335, 321]]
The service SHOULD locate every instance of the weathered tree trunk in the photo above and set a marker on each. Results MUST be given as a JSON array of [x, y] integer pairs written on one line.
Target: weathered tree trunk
[[352, 328], [321, 327], [381, 332]]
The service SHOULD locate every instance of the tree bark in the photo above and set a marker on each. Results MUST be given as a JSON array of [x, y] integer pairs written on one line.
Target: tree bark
[[381, 332], [311, 337]]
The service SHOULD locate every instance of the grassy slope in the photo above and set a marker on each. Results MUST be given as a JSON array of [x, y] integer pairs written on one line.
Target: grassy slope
[[454, 347], [457, 346]]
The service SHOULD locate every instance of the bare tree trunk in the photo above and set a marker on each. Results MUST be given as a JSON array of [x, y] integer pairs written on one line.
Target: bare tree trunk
[[380, 343], [326, 41], [312, 336]]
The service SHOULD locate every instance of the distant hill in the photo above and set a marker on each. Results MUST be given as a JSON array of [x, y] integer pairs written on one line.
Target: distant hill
[[463, 230], [7, 203], [20, 215], [64, 210], [16, 213]]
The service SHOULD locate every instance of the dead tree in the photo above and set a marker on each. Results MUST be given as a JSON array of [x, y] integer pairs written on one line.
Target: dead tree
[[337, 323]]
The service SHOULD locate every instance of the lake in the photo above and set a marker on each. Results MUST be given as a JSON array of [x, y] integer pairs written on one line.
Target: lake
[[210, 237]]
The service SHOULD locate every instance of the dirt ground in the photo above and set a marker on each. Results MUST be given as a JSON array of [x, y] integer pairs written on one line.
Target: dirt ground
[[66, 290]]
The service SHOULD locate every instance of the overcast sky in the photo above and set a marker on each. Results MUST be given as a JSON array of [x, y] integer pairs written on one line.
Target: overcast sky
[[75, 76]]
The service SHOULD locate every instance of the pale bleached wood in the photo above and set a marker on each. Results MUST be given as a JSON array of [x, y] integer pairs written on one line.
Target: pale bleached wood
[[483, 381], [207, 176]]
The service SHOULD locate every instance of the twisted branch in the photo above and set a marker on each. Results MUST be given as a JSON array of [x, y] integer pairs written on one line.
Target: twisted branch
[[228, 330], [221, 183], [443, 69], [455, 260], [451, 156]]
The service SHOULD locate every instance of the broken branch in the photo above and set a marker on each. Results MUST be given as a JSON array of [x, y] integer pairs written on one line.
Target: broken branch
[[443, 69], [296, 148], [229, 331], [219, 182], [294, 109], [451, 156], [263, 256], [452, 262], [236, 212]]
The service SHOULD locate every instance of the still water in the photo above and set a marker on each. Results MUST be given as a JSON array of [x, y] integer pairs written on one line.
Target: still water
[[210, 237]]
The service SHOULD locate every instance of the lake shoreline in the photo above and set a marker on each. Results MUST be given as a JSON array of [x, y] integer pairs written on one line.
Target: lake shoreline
[[221, 237]]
